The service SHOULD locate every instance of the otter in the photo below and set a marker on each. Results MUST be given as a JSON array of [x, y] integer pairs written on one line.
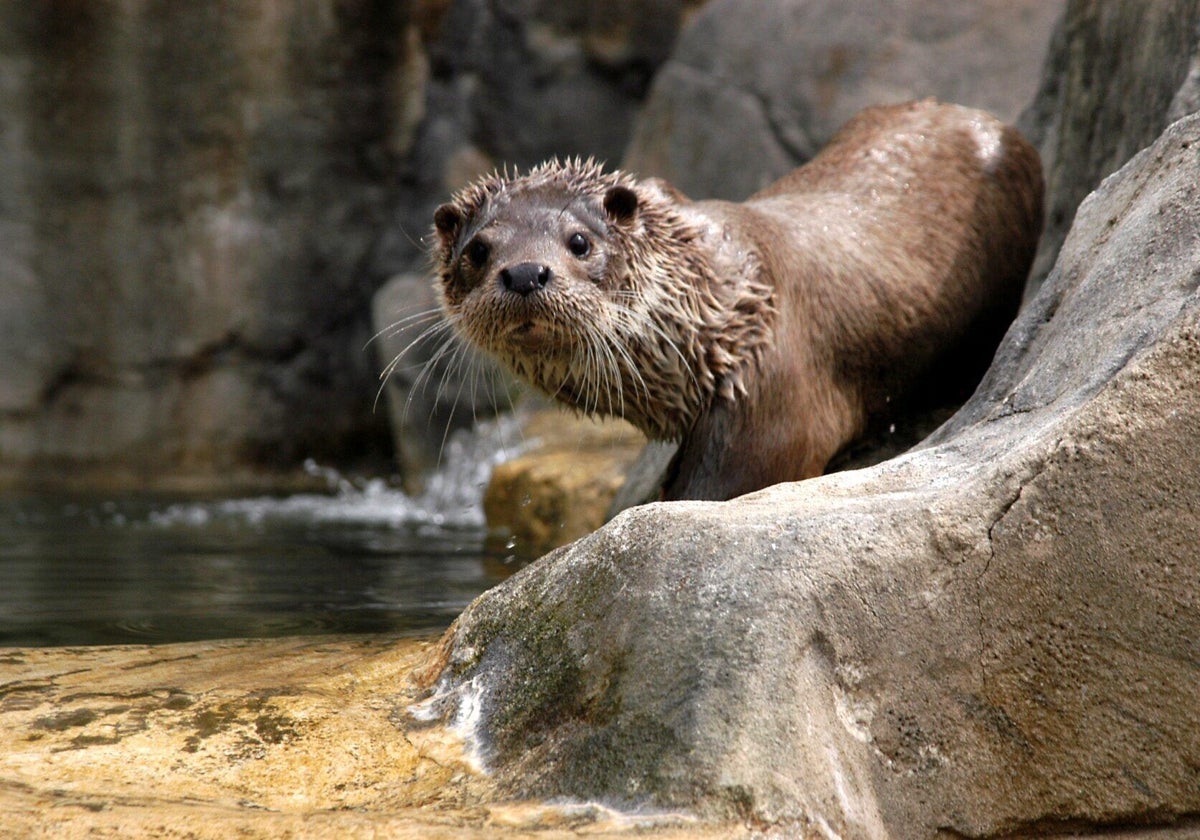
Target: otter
[[764, 336]]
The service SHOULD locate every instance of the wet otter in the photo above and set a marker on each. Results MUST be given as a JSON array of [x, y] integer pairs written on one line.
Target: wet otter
[[765, 336]]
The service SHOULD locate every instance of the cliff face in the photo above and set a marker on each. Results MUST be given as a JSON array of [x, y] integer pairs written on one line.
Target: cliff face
[[191, 195]]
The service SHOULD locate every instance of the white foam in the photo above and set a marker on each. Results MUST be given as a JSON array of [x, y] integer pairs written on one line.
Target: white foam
[[453, 497]]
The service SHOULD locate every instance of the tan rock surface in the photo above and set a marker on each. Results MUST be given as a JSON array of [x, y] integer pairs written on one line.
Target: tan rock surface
[[251, 739], [562, 487]]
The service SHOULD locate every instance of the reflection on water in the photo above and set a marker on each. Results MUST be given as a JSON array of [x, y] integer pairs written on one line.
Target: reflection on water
[[365, 558]]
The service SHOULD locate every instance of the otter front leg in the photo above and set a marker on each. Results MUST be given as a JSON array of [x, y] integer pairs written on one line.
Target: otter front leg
[[727, 454]]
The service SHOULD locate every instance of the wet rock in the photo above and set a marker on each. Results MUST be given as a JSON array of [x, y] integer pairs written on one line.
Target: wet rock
[[754, 89], [561, 487], [304, 738], [1116, 75], [990, 634]]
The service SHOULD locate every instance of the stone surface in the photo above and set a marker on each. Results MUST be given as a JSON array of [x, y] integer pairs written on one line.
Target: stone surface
[[1116, 75], [255, 739], [754, 89], [563, 483], [191, 195], [991, 634], [264, 740]]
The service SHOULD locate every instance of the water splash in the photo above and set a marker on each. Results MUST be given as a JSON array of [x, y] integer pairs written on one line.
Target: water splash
[[453, 496]]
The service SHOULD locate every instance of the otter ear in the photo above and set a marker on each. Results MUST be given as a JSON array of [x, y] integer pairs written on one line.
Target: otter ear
[[448, 220], [621, 204]]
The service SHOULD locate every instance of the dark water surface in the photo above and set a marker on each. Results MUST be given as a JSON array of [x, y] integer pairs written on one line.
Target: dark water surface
[[81, 572]]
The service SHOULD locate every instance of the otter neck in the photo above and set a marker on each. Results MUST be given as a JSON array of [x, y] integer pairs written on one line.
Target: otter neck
[[698, 326]]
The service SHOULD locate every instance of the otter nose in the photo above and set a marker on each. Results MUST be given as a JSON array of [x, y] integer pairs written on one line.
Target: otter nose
[[525, 278]]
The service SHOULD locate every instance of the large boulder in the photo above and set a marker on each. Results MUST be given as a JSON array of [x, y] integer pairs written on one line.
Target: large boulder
[[994, 633], [562, 483], [754, 89]]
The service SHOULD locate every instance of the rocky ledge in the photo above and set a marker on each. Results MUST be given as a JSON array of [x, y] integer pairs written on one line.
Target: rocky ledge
[[994, 633]]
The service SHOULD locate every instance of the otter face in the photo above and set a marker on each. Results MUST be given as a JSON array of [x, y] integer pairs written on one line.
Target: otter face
[[533, 271], [585, 284]]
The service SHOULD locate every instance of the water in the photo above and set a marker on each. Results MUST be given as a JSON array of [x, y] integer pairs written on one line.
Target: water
[[364, 558]]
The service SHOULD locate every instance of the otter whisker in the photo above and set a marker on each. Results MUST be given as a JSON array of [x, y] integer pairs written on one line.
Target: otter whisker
[[408, 322], [391, 367], [452, 346], [459, 354], [456, 360], [613, 381], [609, 379], [609, 375], [623, 319], [424, 336]]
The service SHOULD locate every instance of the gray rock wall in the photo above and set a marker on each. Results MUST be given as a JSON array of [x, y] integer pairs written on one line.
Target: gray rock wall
[[755, 89], [198, 201], [194, 201], [191, 196], [1116, 75]]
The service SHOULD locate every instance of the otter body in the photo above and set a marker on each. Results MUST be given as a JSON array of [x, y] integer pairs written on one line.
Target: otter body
[[767, 335]]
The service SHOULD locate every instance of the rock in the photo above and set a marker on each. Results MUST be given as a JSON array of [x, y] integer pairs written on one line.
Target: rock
[[191, 195], [258, 740], [561, 487], [266, 739], [645, 477], [754, 89], [200, 199], [993, 633], [1148, 56]]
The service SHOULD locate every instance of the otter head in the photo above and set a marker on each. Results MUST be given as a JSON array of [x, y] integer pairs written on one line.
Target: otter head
[[531, 267], [594, 287], [542, 271]]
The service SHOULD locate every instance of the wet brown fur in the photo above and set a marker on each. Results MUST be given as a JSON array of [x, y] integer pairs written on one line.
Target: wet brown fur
[[766, 335]]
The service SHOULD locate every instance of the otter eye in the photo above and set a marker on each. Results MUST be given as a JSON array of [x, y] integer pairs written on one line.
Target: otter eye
[[579, 245], [477, 252]]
